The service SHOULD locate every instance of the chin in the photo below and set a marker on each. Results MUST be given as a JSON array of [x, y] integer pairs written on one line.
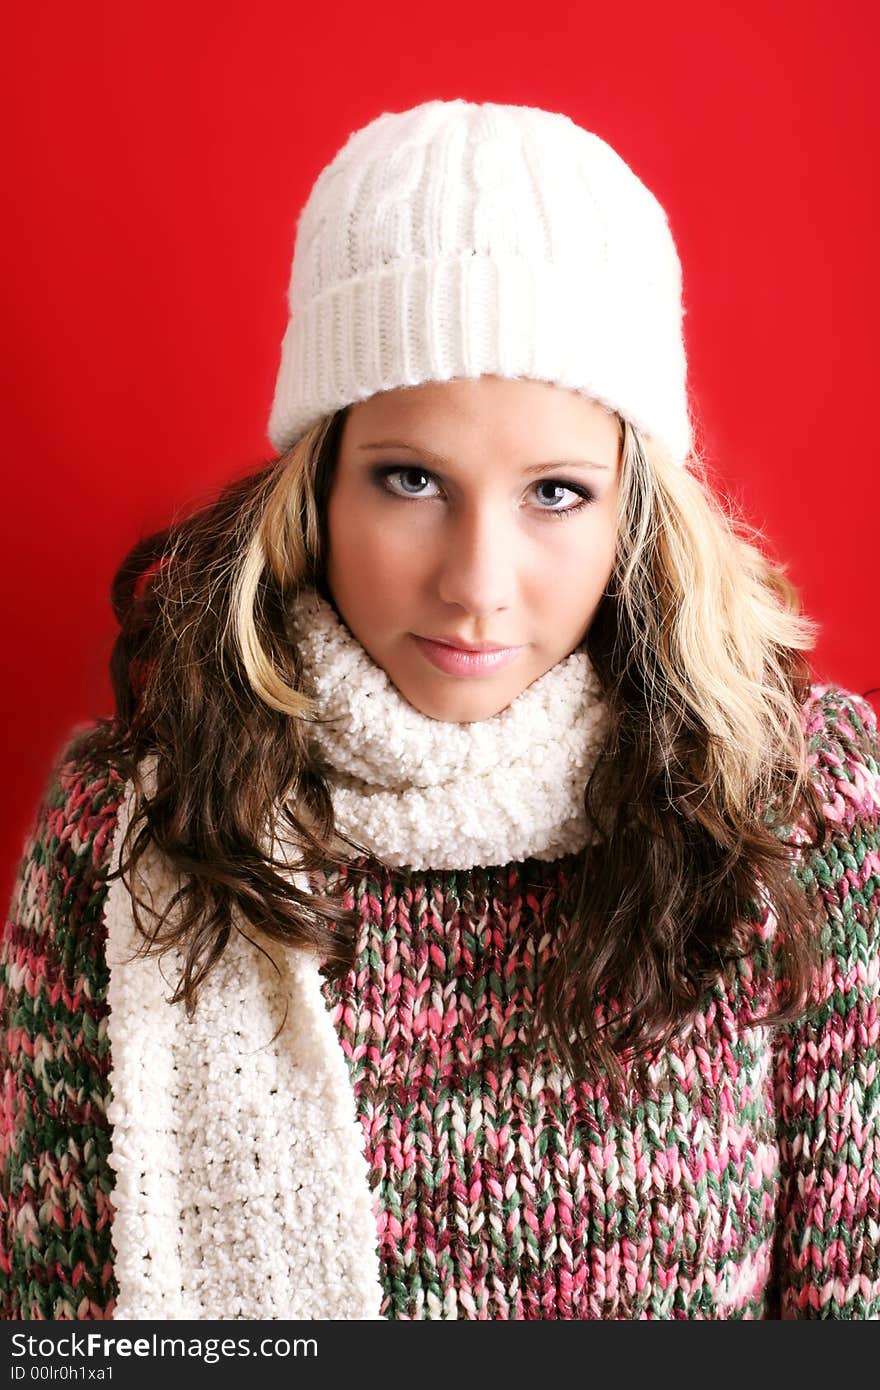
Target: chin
[[458, 707]]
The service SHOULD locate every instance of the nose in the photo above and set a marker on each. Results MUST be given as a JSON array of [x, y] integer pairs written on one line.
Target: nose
[[476, 567]]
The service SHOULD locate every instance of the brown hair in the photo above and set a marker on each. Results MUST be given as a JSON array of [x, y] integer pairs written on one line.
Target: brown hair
[[698, 644]]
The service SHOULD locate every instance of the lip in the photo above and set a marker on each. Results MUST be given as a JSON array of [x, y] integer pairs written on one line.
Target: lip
[[469, 646], [456, 661]]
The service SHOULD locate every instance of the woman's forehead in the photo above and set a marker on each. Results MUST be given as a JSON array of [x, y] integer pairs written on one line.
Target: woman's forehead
[[504, 413]]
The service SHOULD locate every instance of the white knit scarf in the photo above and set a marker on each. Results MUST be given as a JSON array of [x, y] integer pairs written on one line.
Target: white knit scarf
[[426, 793], [242, 1187]]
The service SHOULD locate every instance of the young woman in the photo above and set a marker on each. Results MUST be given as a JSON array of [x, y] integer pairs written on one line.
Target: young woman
[[471, 910]]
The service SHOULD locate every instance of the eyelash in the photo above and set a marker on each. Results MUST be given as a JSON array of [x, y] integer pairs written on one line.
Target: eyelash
[[381, 476]]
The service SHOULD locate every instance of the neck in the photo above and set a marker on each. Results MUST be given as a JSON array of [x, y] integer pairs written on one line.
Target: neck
[[423, 793]]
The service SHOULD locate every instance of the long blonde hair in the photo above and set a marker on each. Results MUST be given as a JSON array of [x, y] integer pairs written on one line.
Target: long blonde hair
[[698, 641]]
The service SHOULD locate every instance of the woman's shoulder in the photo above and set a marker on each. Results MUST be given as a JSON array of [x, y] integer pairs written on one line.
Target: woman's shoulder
[[826, 1060], [843, 753], [58, 895], [54, 1052]]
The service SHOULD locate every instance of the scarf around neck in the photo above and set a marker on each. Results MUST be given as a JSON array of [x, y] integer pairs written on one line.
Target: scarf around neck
[[428, 793], [241, 1182]]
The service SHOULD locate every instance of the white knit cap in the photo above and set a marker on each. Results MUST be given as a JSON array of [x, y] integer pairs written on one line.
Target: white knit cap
[[459, 239]]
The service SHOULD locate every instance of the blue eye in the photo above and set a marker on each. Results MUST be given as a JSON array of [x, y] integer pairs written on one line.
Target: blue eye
[[385, 473], [382, 476], [586, 496]]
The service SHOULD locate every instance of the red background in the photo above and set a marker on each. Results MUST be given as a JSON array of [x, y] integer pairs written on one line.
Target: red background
[[159, 157]]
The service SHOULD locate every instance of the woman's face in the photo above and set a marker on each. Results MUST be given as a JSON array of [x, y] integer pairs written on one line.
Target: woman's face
[[476, 511]]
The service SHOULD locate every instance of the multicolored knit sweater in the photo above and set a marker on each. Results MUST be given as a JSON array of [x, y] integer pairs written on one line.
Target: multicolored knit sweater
[[744, 1183]]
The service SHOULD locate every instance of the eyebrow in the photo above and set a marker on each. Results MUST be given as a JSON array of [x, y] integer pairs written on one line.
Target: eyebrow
[[440, 462]]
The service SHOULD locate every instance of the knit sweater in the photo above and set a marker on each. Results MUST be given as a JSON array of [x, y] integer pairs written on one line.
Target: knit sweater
[[744, 1181]]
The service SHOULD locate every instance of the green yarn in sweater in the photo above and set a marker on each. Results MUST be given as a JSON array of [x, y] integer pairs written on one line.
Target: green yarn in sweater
[[742, 1183]]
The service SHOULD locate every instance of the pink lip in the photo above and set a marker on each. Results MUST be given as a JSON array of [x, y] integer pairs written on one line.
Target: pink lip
[[457, 662], [467, 646]]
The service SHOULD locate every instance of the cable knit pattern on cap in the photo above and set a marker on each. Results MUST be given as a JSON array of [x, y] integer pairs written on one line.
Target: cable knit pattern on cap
[[461, 239], [424, 792]]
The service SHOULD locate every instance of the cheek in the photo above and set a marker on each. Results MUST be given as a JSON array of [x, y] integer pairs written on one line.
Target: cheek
[[369, 553], [586, 544], [583, 559]]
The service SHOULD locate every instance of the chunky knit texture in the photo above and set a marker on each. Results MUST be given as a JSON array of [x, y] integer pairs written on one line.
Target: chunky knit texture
[[743, 1182], [460, 239], [430, 793]]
